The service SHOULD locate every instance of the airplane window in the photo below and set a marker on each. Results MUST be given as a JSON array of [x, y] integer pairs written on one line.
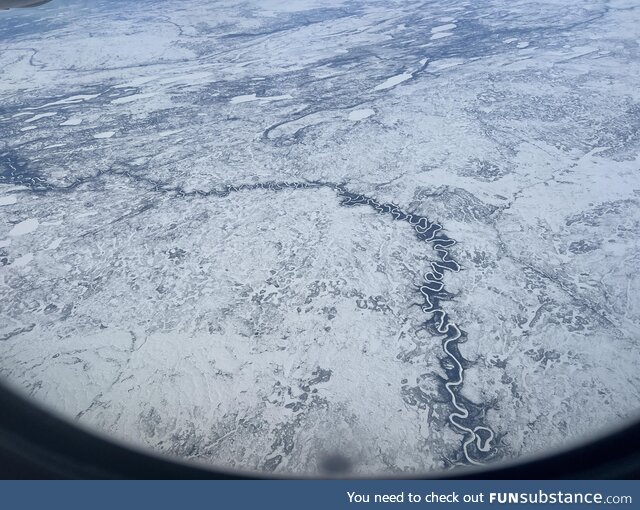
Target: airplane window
[[323, 237]]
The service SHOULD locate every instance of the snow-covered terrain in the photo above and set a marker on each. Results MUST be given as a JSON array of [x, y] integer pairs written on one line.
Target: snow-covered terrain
[[391, 236]]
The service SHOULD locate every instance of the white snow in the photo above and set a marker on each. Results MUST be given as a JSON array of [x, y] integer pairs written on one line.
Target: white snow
[[253, 97], [446, 63], [8, 200], [24, 227], [104, 134], [581, 51], [443, 28], [136, 82], [243, 99], [440, 35], [72, 121], [276, 98], [24, 260], [170, 132], [393, 81], [219, 324], [133, 97], [55, 244], [69, 100], [365, 113], [40, 116]]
